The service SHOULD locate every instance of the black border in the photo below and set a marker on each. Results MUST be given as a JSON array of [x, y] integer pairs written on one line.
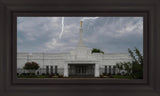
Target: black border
[[9, 87]]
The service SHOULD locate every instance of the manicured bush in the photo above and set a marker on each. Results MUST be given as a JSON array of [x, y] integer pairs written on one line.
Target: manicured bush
[[24, 74], [50, 76], [31, 66], [57, 74], [38, 73], [43, 74], [111, 76], [105, 74], [101, 76], [60, 76], [53, 74], [123, 73], [118, 73], [32, 74], [108, 74]]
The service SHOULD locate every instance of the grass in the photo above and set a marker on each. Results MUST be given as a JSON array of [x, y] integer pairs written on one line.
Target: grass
[[37, 76], [121, 76], [117, 76], [59, 76], [34, 76]]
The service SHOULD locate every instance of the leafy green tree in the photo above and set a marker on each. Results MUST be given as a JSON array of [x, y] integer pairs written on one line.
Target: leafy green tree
[[95, 50], [128, 67], [137, 63], [119, 66], [135, 67], [31, 66]]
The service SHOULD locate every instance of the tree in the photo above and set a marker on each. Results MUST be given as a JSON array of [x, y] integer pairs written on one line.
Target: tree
[[119, 66], [31, 66], [95, 50], [135, 67], [128, 67], [137, 63]]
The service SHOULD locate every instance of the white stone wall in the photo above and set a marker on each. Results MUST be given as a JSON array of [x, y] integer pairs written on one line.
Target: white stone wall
[[59, 59]]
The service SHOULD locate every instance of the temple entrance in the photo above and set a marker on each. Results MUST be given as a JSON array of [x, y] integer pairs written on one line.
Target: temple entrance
[[81, 70]]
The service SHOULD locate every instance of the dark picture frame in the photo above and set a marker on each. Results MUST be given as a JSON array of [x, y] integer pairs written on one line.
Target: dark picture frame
[[11, 86]]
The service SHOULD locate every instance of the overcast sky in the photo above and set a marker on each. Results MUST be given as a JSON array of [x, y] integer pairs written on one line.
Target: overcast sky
[[110, 34]]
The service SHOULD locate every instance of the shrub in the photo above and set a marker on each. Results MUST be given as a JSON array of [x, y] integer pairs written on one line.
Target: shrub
[[50, 76], [31, 66], [43, 74], [123, 73], [60, 76], [38, 73], [104, 73], [32, 74], [101, 75], [118, 73], [126, 74], [47, 73], [57, 74], [24, 74], [95, 50], [27, 74], [110, 76], [53, 74]]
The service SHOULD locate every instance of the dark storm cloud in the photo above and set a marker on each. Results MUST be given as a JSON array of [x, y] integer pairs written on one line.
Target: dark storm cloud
[[115, 34], [110, 34]]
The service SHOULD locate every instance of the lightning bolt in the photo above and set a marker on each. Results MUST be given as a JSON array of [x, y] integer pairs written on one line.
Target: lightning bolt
[[60, 35], [85, 18]]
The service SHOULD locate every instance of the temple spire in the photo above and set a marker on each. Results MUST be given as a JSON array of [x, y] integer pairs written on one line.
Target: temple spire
[[81, 23], [81, 37]]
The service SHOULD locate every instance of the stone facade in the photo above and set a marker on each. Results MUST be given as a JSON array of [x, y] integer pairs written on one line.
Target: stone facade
[[61, 60]]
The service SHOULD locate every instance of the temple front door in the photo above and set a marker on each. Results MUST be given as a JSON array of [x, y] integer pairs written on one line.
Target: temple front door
[[81, 70]]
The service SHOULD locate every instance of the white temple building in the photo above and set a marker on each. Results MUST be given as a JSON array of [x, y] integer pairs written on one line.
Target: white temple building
[[79, 62]]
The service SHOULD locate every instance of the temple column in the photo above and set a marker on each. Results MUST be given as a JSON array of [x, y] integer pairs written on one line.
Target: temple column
[[65, 70], [96, 74]]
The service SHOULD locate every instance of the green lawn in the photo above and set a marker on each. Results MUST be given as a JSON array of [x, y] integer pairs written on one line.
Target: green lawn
[[38, 76], [48, 76], [121, 76]]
